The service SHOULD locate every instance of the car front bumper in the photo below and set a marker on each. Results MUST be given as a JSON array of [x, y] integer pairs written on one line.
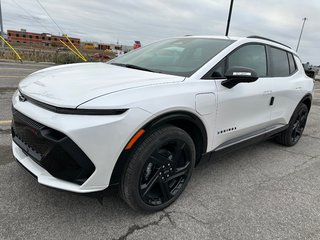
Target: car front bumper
[[100, 138]]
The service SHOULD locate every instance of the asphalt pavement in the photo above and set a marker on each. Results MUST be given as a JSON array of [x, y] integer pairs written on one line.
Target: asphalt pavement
[[265, 191]]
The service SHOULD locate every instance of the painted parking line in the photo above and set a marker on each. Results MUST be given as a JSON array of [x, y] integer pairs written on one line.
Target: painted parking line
[[13, 76], [22, 69], [3, 122], [27, 64]]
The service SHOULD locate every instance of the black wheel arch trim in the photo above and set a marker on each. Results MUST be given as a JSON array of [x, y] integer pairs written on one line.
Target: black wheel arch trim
[[166, 118], [308, 96], [180, 115]]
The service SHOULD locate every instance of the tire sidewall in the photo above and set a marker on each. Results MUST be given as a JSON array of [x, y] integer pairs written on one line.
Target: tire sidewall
[[299, 108], [142, 153]]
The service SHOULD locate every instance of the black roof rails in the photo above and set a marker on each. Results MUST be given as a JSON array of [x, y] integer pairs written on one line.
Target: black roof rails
[[268, 39]]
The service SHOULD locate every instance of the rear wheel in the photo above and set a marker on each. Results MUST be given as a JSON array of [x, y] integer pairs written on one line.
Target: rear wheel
[[159, 169], [297, 123]]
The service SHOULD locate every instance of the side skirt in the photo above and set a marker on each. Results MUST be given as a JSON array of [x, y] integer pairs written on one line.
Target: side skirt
[[220, 151]]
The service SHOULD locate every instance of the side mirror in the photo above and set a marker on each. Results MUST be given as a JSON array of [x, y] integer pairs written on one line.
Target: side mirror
[[237, 75]]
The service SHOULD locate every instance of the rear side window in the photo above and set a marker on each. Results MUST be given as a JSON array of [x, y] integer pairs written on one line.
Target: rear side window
[[292, 63], [279, 64]]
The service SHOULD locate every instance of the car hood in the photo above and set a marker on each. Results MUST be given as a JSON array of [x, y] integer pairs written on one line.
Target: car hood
[[73, 84]]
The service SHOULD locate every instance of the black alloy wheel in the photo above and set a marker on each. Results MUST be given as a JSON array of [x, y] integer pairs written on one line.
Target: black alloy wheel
[[165, 173], [293, 133], [299, 125], [159, 169]]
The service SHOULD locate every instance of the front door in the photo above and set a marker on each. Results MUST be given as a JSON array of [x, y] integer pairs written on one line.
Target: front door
[[244, 110]]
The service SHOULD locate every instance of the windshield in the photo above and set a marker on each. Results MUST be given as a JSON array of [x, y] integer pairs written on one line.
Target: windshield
[[179, 56]]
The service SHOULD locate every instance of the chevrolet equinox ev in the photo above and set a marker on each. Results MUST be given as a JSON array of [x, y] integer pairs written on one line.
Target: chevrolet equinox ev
[[143, 121]]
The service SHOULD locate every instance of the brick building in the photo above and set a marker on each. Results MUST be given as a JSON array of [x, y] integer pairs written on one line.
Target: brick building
[[44, 39]]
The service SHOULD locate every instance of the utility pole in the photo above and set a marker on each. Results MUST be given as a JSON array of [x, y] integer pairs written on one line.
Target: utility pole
[[229, 17], [304, 21], [1, 26]]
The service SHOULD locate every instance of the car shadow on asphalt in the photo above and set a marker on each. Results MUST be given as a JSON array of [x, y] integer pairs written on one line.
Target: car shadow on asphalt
[[109, 199]]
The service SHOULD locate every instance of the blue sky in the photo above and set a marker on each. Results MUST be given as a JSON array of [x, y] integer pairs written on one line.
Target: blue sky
[[148, 21]]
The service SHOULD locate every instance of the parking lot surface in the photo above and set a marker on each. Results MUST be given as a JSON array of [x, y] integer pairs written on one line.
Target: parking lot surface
[[265, 191]]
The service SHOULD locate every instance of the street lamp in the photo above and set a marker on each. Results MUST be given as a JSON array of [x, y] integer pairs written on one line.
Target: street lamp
[[304, 21], [1, 26]]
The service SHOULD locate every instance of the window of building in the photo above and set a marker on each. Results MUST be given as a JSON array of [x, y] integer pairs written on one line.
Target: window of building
[[55, 39], [49, 39], [30, 36], [24, 35], [279, 64], [37, 37], [43, 38], [9, 34], [17, 35]]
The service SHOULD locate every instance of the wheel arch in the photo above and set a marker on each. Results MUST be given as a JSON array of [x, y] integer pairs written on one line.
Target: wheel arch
[[187, 121], [307, 99]]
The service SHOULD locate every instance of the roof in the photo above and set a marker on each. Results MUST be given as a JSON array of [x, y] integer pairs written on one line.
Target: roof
[[239, 38]]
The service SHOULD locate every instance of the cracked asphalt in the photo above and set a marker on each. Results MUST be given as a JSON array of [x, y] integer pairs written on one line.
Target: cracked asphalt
[[265, 191]]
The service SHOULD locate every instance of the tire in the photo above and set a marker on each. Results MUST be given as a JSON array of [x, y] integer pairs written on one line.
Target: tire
[[159, 169], [293, 133]]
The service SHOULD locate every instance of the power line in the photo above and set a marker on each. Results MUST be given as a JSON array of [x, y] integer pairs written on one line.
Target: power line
[[37, 20], [49, 16]]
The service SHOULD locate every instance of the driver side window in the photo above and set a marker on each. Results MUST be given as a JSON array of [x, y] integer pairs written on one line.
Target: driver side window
[[250, 56]]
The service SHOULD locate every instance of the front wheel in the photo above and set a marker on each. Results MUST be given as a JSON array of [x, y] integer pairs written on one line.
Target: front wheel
[[159, 169], [297, 123]]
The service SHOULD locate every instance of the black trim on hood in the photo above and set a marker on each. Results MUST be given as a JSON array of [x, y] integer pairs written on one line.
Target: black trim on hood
[[74, 111]]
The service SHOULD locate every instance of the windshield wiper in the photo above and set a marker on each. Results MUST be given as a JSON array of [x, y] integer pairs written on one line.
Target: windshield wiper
[[132, 66]]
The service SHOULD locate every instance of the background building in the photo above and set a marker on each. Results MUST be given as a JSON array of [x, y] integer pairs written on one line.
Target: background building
[[45, 39]]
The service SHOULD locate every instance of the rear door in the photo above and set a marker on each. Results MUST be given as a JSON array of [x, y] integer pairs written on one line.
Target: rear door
[[286, 85]]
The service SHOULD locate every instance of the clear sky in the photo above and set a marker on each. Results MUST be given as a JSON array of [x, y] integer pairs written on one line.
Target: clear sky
[[151, 20]]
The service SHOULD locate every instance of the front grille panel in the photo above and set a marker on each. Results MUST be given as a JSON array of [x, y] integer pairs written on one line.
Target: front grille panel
[[27, 133], [51, 149], [27, 120]]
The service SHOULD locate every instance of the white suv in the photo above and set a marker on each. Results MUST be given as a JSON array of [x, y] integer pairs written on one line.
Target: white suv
[[144, 120]]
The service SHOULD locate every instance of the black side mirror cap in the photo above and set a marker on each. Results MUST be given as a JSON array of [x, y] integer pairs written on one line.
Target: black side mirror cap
[[237, 75]]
